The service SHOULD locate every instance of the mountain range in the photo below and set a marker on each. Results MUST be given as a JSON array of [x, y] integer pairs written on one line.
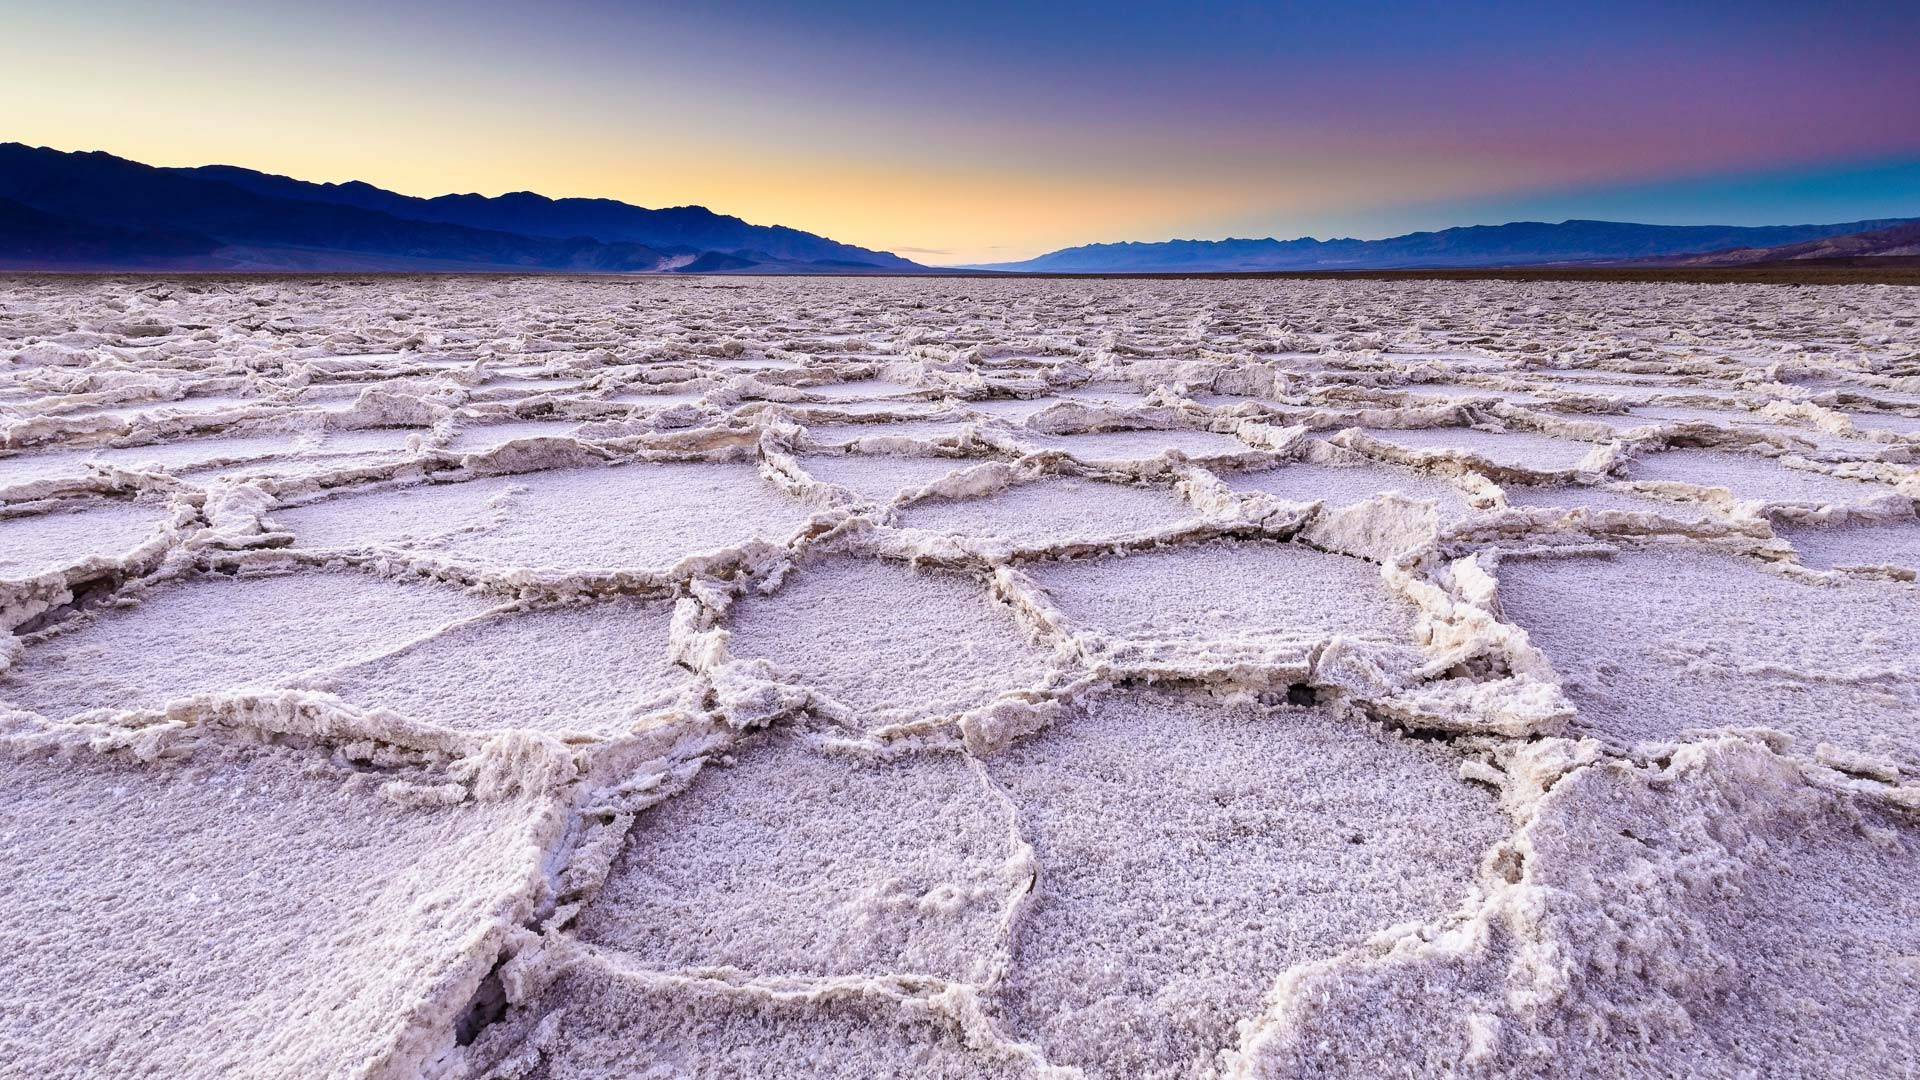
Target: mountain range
[[1520, 243], [63, 210], [94, 211]]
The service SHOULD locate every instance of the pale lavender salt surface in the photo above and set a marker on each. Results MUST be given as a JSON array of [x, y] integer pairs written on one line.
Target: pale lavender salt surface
[[646, 516], [799, 860], [249, 911], [1123, 446], [1228, 591], [72, 534], [1893, 544], [1653, 645], [1053, 511], [594, 669], [1750, 476], [1257, 839], [1575, 496], [887, 642], [480, 437], [223, 633], [617, 1028]]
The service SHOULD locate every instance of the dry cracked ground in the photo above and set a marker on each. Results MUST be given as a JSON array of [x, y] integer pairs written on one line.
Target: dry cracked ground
[[514, 679]]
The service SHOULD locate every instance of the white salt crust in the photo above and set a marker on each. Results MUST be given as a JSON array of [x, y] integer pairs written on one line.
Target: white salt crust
[[581, 678]]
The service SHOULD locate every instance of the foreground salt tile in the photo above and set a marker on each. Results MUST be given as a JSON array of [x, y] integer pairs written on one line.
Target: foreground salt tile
[[887, 642], [1191, 851], [880, 477], [800, 861], [1711, 915], [1053, 511], [596, 1024], [1653, 645], [224, 633], [250, 912], [1340, 486], [585, 668], [1227, 592], [72, 534], [1750, 476]]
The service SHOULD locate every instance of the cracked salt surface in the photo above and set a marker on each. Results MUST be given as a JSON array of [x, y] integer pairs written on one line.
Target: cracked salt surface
[[879, 865], [1895, 545], [1175, 679], [244, 912], [1516, 449], [1256, 839], [1108, 447]]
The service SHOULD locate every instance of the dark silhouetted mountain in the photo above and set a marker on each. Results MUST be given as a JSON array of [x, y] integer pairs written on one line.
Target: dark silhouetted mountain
[[1520, 243], [606, 220], [1899, 241], [34, 239], [97, 211]]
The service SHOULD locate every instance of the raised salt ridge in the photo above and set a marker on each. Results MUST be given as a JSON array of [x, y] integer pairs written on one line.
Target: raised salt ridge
[[560, 679]]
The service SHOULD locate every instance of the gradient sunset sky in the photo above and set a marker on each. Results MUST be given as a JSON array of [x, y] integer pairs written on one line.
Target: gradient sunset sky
[[996, 131]]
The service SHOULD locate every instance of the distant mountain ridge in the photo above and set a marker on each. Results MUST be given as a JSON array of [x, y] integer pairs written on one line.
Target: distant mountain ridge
[[1520, 243], [1898, 241], [605, 220], [62, 210]]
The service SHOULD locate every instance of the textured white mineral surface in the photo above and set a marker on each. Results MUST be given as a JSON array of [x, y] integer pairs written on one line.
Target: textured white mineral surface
[[533, 679]]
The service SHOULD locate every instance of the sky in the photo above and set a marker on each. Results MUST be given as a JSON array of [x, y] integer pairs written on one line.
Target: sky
[[996, 131]]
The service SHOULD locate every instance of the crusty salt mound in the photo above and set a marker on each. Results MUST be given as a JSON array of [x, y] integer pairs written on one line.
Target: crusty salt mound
[[589, 679]]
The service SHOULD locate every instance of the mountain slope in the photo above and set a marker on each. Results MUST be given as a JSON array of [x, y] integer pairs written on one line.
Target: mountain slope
[[1518, 243], [606, 220], [63, 210], [98, 190], [1895, 242], [34, 239]]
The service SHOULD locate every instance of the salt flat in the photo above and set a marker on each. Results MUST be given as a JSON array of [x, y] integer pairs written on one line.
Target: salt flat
[[592, 678]]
